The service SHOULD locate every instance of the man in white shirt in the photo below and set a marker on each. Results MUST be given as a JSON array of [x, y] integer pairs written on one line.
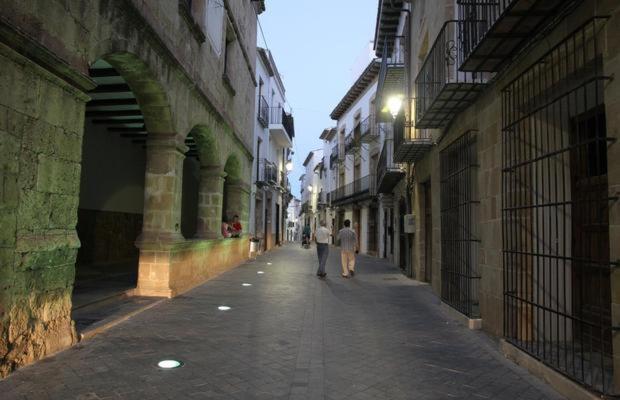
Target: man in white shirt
[[322, 247]]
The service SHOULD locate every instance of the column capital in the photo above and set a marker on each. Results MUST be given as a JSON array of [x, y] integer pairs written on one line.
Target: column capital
[[212, 171], [167, 141]]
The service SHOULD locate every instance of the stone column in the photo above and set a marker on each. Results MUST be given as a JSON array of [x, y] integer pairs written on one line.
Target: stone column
[[163, 190], [238, 202], [211, 193], [161, 228]]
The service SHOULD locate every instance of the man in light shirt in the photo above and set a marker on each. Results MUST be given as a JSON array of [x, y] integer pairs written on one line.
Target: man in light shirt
[[322, 247], [348, 245]]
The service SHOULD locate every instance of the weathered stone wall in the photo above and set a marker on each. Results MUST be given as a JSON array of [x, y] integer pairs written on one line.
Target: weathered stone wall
[[46, 48], [484, 116], [40, 130]]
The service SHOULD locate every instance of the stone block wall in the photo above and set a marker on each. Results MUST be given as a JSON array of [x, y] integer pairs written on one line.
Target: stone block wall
[[46, 48], [40, 153]]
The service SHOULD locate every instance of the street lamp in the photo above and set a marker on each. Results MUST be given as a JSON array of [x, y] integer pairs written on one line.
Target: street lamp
[[394, 104], [310, 188], [289, 165]]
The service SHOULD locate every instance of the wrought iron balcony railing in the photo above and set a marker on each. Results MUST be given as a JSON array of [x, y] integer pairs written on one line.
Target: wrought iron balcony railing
[[410, 144], [495, 30], [278, 116], [267, 173], [333, 157], [355, 190], [368, 129], [263, 112], [442, 91], [285, 185], [305, 208], [388, 172], [352, 141]]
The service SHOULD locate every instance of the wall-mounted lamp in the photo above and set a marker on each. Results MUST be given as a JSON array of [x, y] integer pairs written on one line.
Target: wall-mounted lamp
[[310, 188], [289, 165], [394, 105]]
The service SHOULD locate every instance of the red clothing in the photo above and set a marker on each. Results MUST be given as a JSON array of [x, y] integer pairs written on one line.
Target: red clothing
[[237, 226]]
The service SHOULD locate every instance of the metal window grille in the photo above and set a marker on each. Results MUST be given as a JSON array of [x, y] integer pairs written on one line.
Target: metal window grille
[[555, 211], [459, 240]]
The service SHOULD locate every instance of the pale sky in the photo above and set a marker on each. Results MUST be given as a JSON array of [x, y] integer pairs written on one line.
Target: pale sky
[[315, 44]]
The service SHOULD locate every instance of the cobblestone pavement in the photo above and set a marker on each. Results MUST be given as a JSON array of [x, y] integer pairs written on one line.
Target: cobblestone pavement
[[288, 336]]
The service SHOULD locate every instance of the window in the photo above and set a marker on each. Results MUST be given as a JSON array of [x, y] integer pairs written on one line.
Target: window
[[214, 21]]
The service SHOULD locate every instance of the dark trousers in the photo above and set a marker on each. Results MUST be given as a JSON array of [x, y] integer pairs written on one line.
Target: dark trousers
[[322, 251]]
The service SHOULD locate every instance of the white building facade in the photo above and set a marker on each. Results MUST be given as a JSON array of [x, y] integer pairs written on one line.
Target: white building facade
[[273, 142]]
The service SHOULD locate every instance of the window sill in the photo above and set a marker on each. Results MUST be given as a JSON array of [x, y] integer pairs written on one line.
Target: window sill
[[228, 84], [194, 28]]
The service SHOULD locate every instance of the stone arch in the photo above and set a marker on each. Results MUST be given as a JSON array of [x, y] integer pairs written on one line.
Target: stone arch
[[208, 146], [233, 168], [149, 92], [236, 194], [139, 190]]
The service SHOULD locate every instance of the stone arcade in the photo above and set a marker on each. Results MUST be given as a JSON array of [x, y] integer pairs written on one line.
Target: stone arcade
[[125, 138]]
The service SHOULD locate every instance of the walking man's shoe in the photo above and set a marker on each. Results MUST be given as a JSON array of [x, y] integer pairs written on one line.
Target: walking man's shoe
[[352, 273], [345, 276]]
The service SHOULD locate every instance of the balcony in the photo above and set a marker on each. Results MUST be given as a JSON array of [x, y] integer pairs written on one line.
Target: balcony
[[368, 129], [267, 173], [281, 127], [305, 208], [336, 156], [263, 112], [284, 183], [442, 91], [357, 190], [388, 173], [495, 30], [352, 141], [410, 144], [392, 79], [322, 200]]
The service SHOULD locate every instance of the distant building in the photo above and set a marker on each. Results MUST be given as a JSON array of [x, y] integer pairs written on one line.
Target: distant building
[[311, 189], [294, 225]]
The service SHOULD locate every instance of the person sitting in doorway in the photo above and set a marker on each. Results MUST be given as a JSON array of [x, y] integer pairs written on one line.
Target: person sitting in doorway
[[226, 229], [236, 227]]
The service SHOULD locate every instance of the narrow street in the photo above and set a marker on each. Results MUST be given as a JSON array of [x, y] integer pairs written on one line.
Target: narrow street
[[288, 336]]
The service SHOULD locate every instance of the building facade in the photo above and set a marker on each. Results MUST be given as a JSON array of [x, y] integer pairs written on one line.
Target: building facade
[[311, 190], [273, 142], [361, 181], [126, 139], [506, 116]]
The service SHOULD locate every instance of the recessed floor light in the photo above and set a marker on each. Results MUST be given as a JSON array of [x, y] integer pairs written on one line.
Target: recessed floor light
[[260, 272], [169, 364], [268, 263], [246, 284], [223, 308]]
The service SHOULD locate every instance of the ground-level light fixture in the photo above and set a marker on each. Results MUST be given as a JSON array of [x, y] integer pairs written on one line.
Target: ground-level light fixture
[[289, 165], [223, 308], [169, 364], [394, 104], [246, 284], [260, 272], [268, 263]]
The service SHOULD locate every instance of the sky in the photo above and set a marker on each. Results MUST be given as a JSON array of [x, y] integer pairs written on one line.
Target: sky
[[315, 44]]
